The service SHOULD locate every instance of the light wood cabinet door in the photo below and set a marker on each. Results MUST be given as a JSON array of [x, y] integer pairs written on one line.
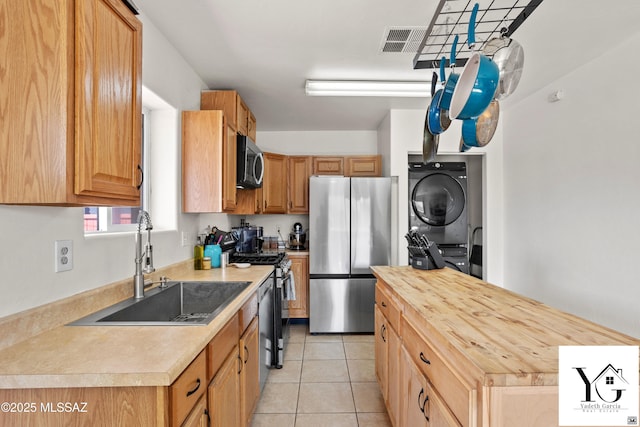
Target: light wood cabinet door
[[199, 416], [299, 308], [242, 116], [274, 185], [70, 132], [324, 165], [413, 391], [381, 351], [250, 373], [229, 169], [208, 162], [299, 168], [363, 165], [252, 126], [224, 393], [393, 374], [108, 104]]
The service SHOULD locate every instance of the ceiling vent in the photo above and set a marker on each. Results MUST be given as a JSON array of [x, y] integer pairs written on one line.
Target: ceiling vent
[[402, 39]]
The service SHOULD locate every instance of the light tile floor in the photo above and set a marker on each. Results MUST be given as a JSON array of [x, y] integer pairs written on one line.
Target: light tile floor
[[326, 381]]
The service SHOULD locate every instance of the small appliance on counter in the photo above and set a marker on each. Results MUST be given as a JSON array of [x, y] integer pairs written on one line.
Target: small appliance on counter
[[297, 238], [249, 238], [423, 253]]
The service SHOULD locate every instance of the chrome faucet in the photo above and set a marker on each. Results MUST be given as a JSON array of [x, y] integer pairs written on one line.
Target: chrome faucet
[[146, 256]]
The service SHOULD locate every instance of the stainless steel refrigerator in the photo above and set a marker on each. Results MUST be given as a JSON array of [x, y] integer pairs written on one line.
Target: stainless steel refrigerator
[[349, 231]]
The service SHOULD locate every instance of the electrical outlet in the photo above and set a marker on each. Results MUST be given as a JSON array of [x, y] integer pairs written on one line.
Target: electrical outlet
[[277, 228], [64, 255], [185, 238]]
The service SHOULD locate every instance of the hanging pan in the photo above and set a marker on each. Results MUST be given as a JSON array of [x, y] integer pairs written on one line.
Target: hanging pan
[[478, 82], [477, 132], [449, 87], [509, 57], [429, 140], [436, 120]]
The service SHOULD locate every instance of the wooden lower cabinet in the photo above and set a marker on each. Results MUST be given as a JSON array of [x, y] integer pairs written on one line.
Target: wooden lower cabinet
[[387, 364], [299, 308], [199, 416], [250, 373], [421, 404], [223, 393]]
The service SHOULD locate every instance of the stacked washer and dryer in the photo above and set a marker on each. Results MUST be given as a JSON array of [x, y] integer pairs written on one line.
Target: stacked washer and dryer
[[438, 208]]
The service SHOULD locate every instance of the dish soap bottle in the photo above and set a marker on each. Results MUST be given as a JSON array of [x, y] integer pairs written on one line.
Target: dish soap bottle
[[198, 255]]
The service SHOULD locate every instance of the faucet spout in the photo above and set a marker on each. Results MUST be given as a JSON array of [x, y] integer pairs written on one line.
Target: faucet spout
[[141, 257]]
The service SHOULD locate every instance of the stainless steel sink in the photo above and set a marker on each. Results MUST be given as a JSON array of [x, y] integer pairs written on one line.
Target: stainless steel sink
[[180, 303]]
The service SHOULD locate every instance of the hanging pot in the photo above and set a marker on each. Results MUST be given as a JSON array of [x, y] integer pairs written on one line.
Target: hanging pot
[[509, 57], [450, 86], [478, 82], [463, 147], [478, 131], [434, 115]]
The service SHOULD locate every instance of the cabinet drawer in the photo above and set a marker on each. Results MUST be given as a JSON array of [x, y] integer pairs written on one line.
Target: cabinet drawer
[[188, 388], [388, 305], [457, 395], [221, 345], [248, 311]]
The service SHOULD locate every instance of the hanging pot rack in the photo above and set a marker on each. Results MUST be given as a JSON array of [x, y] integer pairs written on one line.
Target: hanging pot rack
[[495, 17]]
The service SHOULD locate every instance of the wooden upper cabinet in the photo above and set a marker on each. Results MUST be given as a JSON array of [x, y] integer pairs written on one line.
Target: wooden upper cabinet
[[235, 109], [71, 101], [363, 165], [251, 126], [324, 165], [208, 162], [242, 117], [299, 169], [274, 184]]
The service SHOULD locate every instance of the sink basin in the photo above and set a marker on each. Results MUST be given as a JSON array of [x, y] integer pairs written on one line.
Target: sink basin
[[180, 303]]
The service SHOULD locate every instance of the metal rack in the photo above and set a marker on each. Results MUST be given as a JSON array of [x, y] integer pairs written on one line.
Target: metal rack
[[452, 17]]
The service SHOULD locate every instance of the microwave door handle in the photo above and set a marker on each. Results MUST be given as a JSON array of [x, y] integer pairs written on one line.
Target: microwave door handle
[[255, 162]]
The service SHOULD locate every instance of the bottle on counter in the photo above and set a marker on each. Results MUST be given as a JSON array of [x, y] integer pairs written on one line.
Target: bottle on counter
[[215, 257], [198, 254]]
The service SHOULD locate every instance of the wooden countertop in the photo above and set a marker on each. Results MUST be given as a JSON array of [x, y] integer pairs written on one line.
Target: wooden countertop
[[506, 338], [107, 356]]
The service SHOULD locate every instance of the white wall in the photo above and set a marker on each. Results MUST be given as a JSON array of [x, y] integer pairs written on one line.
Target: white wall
[[572, 202], [28, 233]]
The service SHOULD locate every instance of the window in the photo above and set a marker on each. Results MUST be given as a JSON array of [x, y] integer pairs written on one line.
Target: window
[[107, 219], [609, 380]]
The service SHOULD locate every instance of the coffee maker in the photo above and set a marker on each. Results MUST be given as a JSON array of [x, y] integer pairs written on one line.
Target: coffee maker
[[297, 238], [249, 238]]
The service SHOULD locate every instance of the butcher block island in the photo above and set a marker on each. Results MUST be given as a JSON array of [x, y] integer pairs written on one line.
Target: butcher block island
[[453, 350], [134, 375]]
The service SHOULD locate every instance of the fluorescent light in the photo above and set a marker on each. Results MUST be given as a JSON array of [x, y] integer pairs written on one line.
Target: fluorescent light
[[367, 88]]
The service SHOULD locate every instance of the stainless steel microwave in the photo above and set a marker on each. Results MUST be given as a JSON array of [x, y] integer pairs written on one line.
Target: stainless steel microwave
[[250, 166]]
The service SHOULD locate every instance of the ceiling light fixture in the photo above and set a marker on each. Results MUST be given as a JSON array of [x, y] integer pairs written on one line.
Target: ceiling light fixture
[[367, 88]]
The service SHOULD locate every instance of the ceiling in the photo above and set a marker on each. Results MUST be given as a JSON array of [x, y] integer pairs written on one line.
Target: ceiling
[[268, 49]]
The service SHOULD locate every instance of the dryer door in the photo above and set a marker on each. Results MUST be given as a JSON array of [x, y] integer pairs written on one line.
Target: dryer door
[[438, 200]]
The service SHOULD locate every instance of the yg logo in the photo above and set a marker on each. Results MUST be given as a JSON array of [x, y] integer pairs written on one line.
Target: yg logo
[[606, 384], [598, 385]]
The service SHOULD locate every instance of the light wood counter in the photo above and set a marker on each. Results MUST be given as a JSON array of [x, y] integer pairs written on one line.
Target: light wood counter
[[504, 339], [114, 356]]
